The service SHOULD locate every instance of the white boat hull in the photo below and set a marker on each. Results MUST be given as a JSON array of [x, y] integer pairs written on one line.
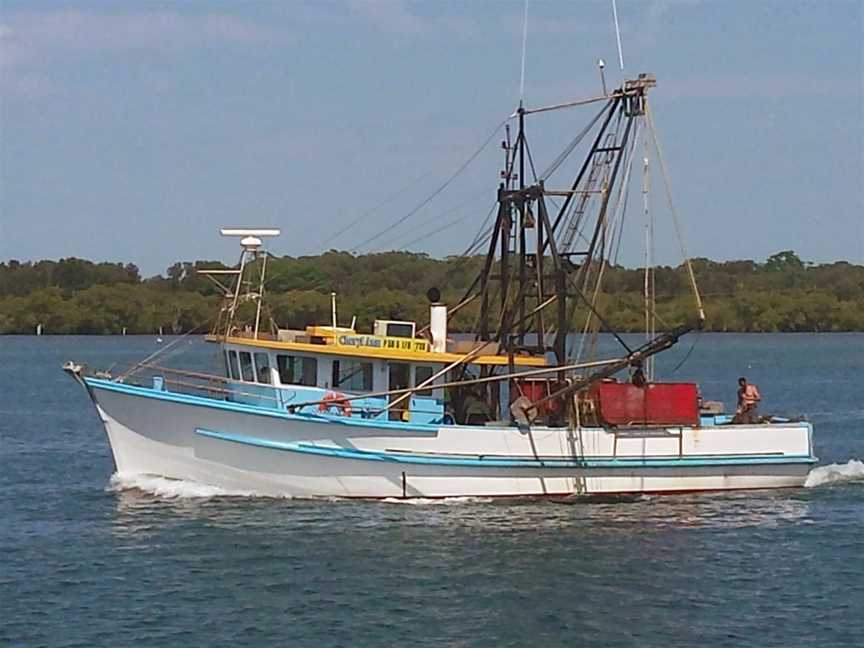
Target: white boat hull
[[240, 447]]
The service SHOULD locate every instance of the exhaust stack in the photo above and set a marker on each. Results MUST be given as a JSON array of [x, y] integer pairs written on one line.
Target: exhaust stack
[[437, 321]]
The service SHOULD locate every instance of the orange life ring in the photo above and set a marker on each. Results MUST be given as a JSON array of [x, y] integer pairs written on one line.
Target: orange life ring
[[337, 400]]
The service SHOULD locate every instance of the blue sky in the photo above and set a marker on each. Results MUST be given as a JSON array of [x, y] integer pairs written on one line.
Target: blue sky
[[133, 131]]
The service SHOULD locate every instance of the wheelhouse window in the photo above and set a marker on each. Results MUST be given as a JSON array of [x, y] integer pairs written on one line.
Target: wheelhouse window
[[246, 368], [297, 370], [422, 373], [352, 375], [400, 329], [227, 358], [262, 366], [234, 364]]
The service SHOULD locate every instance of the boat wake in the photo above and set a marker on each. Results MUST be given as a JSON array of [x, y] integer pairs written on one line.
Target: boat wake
[[439, 501], [165, 488], [851, 471], [181, 489], [172, 488]]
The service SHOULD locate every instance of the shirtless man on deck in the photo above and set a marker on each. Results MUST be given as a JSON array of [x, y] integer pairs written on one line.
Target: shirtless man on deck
[[748, 399]]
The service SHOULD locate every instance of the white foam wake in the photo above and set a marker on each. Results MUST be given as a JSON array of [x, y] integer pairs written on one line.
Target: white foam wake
[[172, 488], [852, 470], [437, 501], [188, 489]]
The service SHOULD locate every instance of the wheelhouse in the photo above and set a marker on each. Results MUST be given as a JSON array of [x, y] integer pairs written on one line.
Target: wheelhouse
[[338, 371]]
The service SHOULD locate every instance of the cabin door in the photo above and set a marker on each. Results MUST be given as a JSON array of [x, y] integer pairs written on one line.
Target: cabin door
[[400, 378]]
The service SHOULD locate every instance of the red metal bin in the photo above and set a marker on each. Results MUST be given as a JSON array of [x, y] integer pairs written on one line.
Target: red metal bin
[[653, 404]]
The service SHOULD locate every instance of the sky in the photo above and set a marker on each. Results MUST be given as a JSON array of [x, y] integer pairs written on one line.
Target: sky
[[133, 131]]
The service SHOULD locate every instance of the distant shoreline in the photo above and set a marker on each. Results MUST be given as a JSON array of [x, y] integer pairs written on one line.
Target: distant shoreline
[[73, 296]]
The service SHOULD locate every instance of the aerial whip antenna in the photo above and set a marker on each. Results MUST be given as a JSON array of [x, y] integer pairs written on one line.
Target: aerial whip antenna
[[617, 34], [602, 64], [524, 49]]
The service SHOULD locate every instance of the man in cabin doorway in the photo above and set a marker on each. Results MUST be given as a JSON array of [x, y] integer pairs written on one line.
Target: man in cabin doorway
[[748, 400], [638, 376]]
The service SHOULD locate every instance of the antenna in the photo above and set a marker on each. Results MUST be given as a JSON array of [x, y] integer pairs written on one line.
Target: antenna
[[618, 36], [524, 49], [602, 64]]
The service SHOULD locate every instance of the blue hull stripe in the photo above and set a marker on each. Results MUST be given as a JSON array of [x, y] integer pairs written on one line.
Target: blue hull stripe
[[504, 462]]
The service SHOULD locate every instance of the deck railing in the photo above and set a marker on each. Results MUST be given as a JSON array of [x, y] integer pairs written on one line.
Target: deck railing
[[212, 386]]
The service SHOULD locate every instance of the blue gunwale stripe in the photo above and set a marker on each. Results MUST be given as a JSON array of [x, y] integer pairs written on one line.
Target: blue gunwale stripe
[[502, 462]]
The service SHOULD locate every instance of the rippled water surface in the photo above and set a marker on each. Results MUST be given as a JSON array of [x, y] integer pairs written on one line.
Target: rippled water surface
[[90, 560]]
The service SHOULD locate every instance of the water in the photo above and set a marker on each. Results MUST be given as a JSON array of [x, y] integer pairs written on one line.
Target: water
[[86, 560]]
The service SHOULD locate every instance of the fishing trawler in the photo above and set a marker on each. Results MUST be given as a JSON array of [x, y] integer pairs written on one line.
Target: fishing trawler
[[523, 406]]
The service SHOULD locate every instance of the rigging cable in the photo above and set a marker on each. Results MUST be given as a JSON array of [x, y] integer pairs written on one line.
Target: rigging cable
[[371, 210], [138, 365], [618, 36], [619, 209], [531, 161], [426, 201], [482, 236], [524, 51], [573, 144], [479, 240], [448, 225], [437, 191], [467, 200], [649, 296]]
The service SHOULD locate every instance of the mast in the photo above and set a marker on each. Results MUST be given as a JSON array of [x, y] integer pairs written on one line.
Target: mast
[[545, 247], [245, 288], [522, 226]]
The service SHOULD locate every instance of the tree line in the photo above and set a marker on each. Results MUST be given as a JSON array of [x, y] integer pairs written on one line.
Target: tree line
[[75, 296]]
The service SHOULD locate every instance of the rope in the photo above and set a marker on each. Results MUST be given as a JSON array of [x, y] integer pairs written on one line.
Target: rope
[[163, 350], [687, 355], [675, 219], [431, 379]]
